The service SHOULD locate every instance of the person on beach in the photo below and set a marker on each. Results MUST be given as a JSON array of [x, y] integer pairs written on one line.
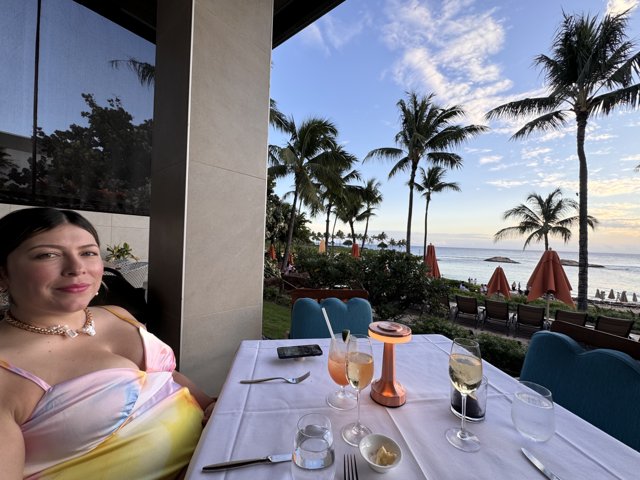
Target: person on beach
[[84, 392]]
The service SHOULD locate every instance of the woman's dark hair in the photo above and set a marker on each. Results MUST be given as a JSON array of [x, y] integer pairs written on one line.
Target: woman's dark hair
[[18, 226]]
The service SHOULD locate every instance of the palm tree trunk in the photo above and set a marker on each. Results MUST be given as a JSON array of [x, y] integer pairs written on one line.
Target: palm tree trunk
[[583, 241], [292, 222], [364, 237], [353, 232], [333, 233], [426, 214], [411, 180], [326, 233]]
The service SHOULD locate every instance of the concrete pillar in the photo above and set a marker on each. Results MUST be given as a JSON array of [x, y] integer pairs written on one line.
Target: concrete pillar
[[209, 180]]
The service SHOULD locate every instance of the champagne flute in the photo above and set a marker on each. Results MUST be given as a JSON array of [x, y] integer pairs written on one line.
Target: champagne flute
[[359, 367], [340, 399], [465, 372]]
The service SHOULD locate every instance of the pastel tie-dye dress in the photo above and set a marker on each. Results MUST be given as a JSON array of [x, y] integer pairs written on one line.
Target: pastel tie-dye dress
[[118, 423]]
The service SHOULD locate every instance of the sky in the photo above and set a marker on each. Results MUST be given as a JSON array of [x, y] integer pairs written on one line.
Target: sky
[[355, 63]]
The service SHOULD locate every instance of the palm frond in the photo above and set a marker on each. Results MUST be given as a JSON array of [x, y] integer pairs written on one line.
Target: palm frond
[[550, 121]]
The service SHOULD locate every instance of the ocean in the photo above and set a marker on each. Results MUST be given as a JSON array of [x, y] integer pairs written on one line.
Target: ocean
[[621, 271]]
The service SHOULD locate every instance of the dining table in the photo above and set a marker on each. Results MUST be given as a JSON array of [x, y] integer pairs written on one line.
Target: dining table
[[257, 420]]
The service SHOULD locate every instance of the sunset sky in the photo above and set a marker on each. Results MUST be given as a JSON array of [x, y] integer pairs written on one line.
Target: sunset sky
[[354, 64]]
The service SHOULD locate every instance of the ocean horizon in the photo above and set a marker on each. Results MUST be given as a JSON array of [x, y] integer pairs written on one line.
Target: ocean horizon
[[620, 271]]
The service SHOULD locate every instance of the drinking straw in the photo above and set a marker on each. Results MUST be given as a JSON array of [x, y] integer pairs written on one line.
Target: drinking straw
[[326, 319]]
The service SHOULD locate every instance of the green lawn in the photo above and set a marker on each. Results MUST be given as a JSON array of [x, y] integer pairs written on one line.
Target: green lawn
[[275, 320]]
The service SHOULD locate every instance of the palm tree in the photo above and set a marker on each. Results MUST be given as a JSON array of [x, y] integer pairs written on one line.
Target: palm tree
[[308, 155], [590, 72], [427, 132], [432, 182], [372, 197], [351, 209], [543, 219]]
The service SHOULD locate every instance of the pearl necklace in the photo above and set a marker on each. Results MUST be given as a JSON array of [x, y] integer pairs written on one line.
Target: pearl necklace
[[64, 330]]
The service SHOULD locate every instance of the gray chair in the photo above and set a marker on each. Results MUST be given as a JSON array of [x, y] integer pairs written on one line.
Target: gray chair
[[495, 311]]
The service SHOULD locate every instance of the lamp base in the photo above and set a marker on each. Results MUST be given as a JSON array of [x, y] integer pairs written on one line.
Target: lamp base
[[388, 393]]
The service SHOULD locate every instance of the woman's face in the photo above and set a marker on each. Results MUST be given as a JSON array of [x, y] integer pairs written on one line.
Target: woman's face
[[59, 270]]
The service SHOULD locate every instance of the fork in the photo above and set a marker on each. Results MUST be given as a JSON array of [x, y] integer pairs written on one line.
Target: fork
[[299, 379], [350, 468]]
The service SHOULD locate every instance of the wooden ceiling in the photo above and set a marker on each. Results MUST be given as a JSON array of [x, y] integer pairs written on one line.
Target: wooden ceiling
[[139, 16]]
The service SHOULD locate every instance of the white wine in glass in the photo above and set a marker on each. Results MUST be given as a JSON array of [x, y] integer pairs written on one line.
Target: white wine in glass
[[465, 372], [340, 399], [359, 368]]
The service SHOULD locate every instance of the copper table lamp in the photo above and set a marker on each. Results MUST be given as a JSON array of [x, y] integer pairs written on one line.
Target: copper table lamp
[[386, 391]]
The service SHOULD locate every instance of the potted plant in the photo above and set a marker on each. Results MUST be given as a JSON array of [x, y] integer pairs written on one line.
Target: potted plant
[[118, 254]]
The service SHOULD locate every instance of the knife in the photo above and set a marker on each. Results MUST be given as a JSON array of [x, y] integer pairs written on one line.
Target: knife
[[270, 459], [539, 465]]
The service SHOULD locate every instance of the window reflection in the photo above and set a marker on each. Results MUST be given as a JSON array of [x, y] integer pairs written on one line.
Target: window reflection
[[94, 113]]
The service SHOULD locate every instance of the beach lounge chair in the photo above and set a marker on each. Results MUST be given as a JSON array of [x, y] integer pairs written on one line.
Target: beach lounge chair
[[467, 307], [495, 311], [577, 318], [531, 318], [602, 386], [615, 326]]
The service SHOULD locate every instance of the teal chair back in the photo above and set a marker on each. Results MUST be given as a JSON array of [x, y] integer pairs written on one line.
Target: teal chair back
[[307, 320], [602, 386]]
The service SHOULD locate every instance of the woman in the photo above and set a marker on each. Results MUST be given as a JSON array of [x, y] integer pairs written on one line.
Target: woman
[[84, 392]]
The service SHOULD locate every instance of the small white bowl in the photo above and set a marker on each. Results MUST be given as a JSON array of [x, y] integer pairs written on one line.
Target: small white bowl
[[370, 445]]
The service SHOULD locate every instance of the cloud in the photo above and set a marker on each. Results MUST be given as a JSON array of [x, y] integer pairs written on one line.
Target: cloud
[[631, 158], [448, 50], [507, 183], [490, 159], [601, 137], [534, 152], [618, 6], [339, 33], [312, 36]]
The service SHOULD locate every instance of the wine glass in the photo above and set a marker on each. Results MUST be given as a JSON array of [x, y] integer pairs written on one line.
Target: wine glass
[[465, 372], [340, 399], [532, 412], [359, 367]]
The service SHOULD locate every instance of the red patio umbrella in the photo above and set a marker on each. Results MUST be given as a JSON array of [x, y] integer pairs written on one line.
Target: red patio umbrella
[[498, 283], [432, 262], [355, 250], [549, 277], [272, 252], [322, 248]]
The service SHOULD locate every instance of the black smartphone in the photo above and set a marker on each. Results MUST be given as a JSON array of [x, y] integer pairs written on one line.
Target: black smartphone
[[298, 351]]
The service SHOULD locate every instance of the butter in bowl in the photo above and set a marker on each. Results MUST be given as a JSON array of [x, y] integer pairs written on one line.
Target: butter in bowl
[[380, 452]]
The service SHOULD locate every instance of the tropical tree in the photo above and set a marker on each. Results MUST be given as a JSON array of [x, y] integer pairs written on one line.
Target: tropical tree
[[428, 133], [432, 182], [309, 154], [372, 197], [542, 218], [351, 209], [590, 72]]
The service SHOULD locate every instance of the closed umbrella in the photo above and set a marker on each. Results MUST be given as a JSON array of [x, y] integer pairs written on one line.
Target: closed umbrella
[[597, 293], [432, 262], [635, 297], [498, 283], [355, 250], [623, 297], [612, 295], [272, 252], [549, 278], [322, 248]]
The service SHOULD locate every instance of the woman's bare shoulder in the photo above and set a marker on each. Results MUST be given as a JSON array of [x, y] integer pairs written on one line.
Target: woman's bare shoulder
[[113, 312]]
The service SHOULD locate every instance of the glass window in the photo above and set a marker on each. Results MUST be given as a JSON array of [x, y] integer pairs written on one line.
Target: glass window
[[94, 111]]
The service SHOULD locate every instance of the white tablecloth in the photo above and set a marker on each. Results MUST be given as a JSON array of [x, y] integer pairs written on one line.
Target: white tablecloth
[[257, 420]]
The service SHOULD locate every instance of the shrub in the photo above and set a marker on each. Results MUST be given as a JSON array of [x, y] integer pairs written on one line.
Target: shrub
[[503, 353]]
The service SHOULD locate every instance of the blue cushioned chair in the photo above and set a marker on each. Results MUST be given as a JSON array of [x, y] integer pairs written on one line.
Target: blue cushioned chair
[[602, 386], [307, 320]]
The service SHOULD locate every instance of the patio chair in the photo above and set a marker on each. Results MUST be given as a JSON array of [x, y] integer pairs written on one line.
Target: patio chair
[[307, 320], [496, 311], [602, 386], [468, 307], [532, 318], [616, 326], [577, 318]]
